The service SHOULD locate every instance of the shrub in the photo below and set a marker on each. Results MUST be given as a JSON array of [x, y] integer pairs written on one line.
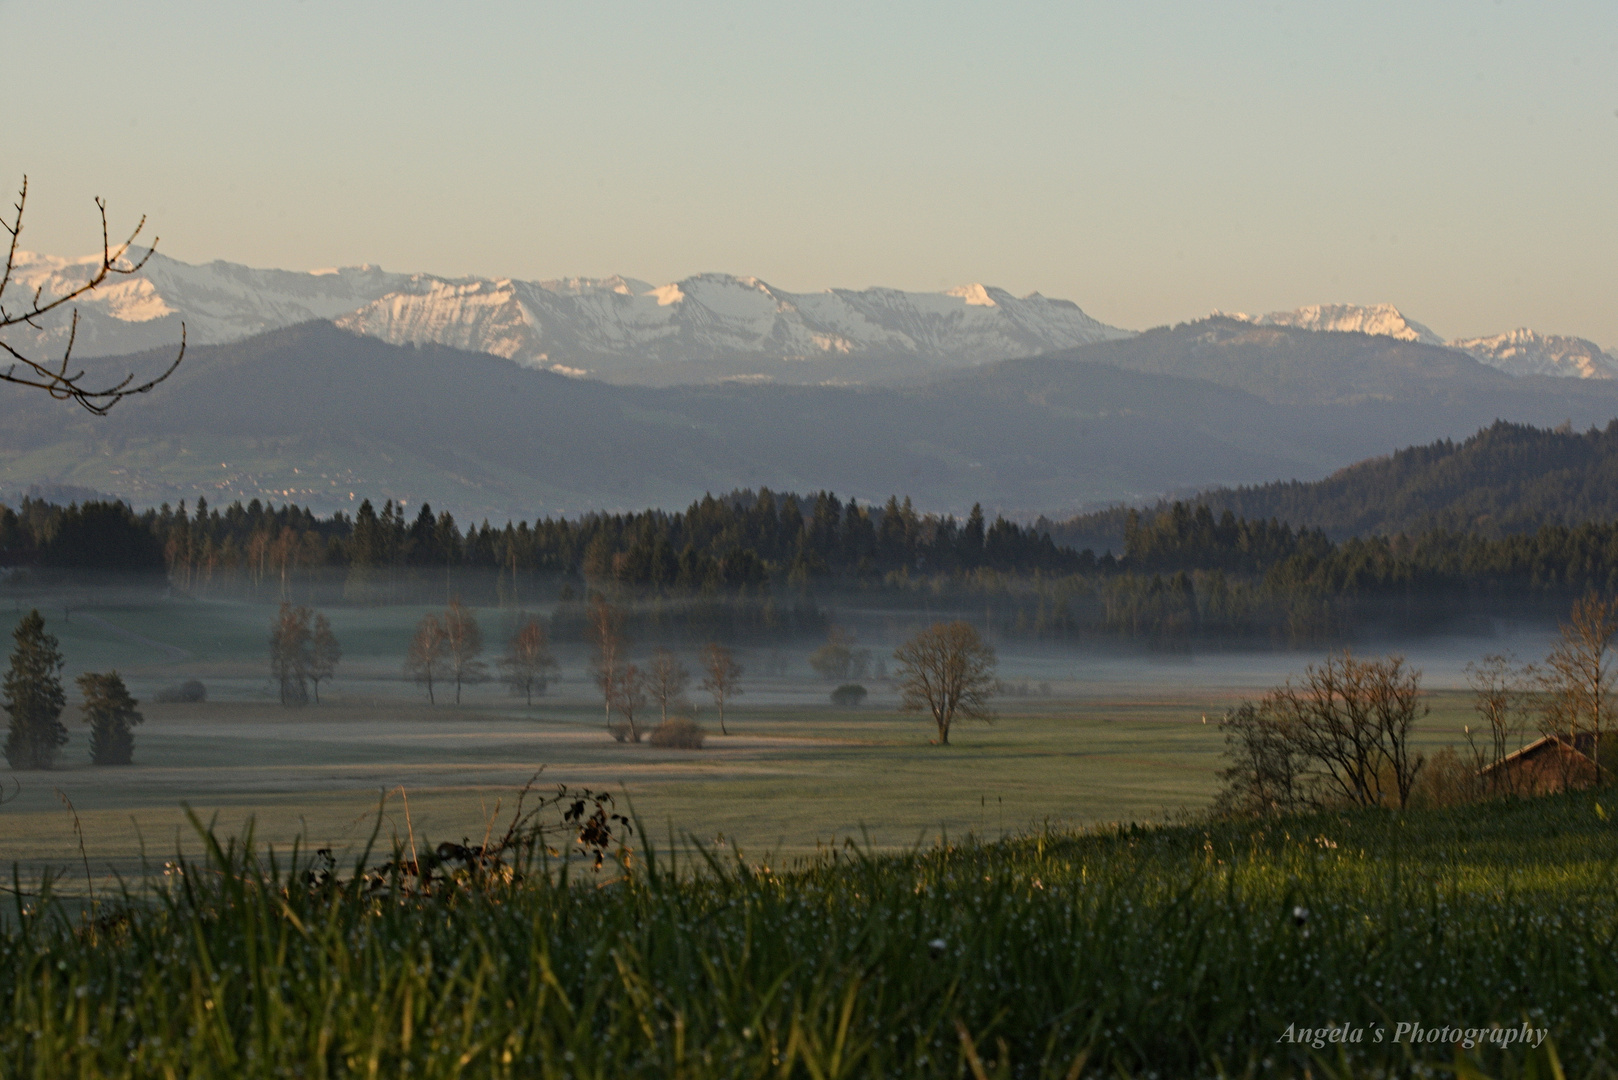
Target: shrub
[[848, 695], [1447, 780], [189, 692], [678, 733]]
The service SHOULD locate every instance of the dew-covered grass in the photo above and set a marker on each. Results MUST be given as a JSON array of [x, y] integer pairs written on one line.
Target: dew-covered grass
[[1168, 951]]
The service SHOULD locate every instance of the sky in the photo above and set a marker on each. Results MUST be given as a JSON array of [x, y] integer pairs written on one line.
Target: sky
[[1151, 161]]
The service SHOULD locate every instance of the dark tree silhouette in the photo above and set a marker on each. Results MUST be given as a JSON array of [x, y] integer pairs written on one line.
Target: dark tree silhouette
[[34, 697], [111, 713]]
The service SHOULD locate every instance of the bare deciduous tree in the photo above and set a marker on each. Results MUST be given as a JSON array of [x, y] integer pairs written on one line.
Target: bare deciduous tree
[[626, 694], [56, 377], [1352, 718], [324, 653], [1267, 769], [947, 670], [528, 661], [1501, 696], [463, 644], [427, 659], [290, 638], [666, 681], [604, 629], [722, 676], [1578, 675]]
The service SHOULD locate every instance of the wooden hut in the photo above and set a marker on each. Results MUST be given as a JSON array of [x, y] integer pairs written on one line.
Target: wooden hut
[[1549, 764]]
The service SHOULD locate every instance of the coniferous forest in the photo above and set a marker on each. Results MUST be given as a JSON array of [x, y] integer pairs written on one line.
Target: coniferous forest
[[762, 561]]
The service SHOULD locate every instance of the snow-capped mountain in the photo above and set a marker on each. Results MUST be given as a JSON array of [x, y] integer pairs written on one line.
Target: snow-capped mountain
[[1524, 352], [1384, 320], [1519, 352], [218, 301], [704, 327]]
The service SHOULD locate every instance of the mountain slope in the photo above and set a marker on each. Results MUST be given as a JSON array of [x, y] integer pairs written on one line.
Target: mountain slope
[[1291, 366], [325, 417], [1505, 479]]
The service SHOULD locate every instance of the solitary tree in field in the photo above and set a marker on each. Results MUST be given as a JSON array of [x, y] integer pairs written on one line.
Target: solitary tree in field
[[324, 653], [528, 661], [604, 629], [427, 659], [722, 676], [1578, 675], [627, 695], [57, 377], [666, 681], [112, 715], [948, 671], [463, 644], [290, 637], [34, 699]]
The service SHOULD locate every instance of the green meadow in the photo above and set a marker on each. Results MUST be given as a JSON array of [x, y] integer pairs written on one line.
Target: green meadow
[[820, 893]]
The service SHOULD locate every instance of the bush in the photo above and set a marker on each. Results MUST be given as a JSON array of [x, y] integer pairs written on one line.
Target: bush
[[189, 692], [848, 695], [678, 733], [1445, 781]]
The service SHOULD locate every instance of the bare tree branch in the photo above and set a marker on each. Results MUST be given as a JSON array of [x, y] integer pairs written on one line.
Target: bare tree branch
[[53, 377]]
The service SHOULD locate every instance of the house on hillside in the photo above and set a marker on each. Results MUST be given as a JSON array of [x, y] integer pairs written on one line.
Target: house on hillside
[[1549, 764]]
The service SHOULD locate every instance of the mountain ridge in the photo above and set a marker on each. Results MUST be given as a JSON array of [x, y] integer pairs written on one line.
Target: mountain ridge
[[703, 328]]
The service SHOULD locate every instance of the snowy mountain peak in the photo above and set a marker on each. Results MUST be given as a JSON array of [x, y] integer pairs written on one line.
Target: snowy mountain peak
[[1384, 320], [975, 295], [1518, 352], [1524, 352]]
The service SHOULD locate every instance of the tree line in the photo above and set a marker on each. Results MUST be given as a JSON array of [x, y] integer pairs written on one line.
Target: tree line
[[753, 563], [743, 541]]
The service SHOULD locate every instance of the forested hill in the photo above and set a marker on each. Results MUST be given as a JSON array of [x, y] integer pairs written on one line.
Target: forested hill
[[1507, 479]]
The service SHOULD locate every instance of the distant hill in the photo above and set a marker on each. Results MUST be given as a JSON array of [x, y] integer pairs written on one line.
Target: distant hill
[[1293, 366], [1506, 479], [325, 418]]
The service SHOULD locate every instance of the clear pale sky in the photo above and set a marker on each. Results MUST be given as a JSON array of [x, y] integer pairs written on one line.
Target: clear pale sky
[[1150, 161]]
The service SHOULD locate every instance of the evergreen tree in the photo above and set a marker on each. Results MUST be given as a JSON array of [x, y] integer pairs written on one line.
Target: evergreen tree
[[111, 714], [972, 538], [33, 697]]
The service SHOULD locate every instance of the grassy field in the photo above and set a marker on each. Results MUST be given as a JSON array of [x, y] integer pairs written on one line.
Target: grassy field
[[1389, 942]]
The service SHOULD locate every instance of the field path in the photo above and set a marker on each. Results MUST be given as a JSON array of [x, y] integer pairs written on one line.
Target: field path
[[170, 652]]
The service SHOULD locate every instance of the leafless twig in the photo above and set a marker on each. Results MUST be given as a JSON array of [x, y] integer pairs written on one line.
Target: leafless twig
[[54, 377]]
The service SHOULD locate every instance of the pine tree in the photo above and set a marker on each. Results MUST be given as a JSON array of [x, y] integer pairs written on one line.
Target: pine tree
[[111, 713], [34, 698]]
